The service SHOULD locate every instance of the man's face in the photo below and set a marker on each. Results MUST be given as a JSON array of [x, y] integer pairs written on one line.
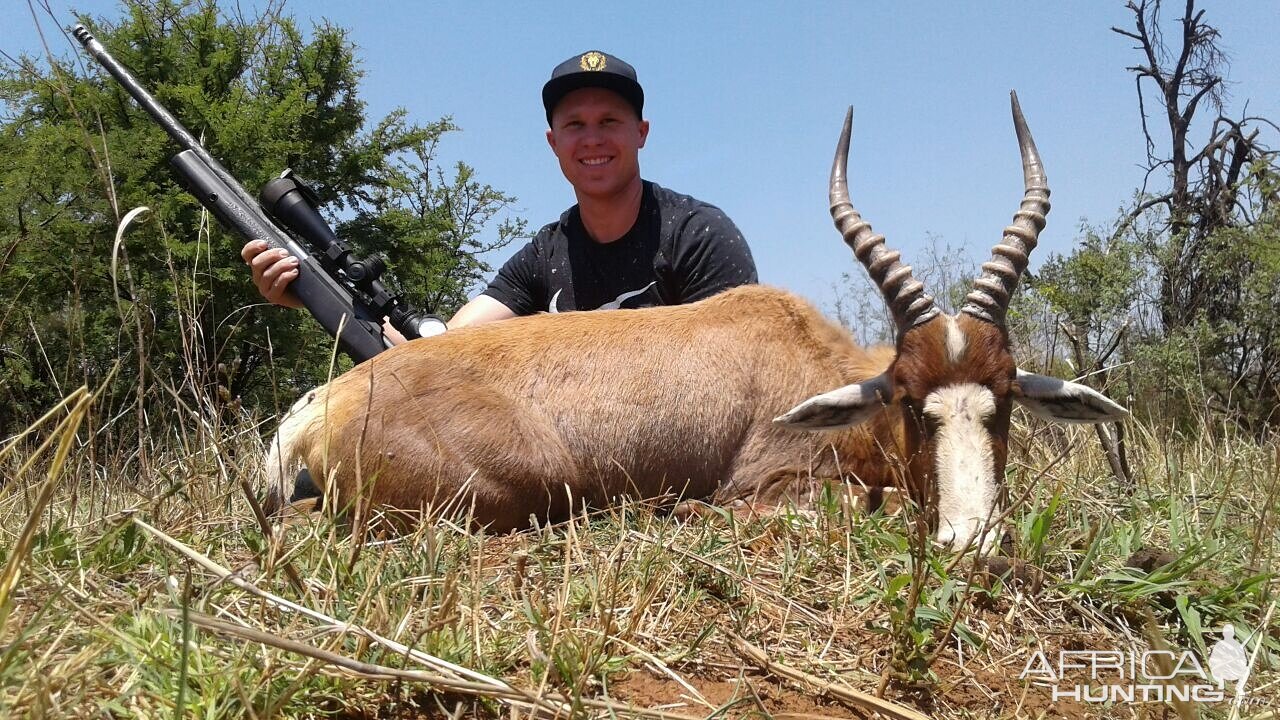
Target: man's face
[[597, 137]]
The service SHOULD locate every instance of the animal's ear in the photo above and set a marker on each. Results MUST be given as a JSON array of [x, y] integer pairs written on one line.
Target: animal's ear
[[1063, 401], [847, 406]]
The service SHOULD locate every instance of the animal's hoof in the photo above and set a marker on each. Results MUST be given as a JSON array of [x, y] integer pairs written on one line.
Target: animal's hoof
[[689, 509], [301, 512], [304, 487]]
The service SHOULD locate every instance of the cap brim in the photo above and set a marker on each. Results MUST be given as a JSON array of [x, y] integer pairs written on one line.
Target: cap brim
[[556, 88]]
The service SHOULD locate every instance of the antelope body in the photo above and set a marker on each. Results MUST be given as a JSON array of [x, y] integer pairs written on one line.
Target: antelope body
[[534, 416]]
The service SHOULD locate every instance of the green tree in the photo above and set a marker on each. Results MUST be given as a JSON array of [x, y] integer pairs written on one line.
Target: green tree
[[1184, 285], [76, 154], [1091, 294]]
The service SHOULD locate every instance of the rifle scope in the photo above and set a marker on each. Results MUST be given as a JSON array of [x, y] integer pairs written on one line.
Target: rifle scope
[[294, 205]]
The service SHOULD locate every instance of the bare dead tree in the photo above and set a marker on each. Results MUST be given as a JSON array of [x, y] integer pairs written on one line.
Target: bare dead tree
[[1205, 191]]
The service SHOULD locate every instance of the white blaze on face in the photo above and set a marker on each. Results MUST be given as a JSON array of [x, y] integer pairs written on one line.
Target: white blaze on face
[[963, 469], [957, 343]]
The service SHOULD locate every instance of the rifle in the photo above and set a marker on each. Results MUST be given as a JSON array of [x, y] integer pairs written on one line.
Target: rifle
[[342, 291]]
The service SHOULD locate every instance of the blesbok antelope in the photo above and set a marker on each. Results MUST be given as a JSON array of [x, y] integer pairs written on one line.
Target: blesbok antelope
[[532, 416]]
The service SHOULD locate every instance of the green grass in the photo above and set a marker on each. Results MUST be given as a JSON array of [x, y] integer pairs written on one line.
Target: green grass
[[620, 612]]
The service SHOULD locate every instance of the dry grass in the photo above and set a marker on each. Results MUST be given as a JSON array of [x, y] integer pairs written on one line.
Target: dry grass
[[136, 581], [154, 593]]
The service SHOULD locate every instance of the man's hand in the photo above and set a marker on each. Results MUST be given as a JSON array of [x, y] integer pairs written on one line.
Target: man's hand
[[273, 270]]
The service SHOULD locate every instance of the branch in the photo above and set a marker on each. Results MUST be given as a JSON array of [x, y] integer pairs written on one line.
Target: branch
[[1217, 141], [1142, 113], [1188, 42], [1112, 447], [1239, 155], [1126, 33], [1136, 213], [1113, 345], [1195, 99], [1143, 37]]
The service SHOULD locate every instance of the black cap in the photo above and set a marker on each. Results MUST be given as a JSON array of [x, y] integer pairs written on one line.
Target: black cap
[[593, 69]]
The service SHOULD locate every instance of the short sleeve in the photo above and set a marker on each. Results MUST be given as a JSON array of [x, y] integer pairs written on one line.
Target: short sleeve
[[519, 283], [710, 255]]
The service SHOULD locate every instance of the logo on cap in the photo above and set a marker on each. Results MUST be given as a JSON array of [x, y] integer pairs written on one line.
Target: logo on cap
[[592, 61]]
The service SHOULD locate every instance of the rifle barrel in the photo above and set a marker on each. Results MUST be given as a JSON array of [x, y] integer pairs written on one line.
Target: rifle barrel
[[165, 119]]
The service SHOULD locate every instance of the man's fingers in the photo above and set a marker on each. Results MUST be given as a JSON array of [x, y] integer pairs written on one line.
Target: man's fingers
[[272, 270], [268, 266], [252, 249], [275, 288], [280, 287], [265, 260]]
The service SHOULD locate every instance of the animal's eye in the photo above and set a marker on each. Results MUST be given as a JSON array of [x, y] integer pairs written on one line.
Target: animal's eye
[[918, 412]]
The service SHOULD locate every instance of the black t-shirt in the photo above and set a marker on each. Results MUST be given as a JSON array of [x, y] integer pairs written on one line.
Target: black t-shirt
[[680, 250]]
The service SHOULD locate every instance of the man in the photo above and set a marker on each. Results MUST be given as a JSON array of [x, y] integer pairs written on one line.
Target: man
[[627, 243]]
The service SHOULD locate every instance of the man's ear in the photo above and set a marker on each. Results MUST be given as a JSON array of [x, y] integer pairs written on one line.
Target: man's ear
[[644, 132], [551, 139]]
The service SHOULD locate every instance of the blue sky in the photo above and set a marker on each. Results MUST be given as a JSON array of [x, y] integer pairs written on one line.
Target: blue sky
[[746, 99]]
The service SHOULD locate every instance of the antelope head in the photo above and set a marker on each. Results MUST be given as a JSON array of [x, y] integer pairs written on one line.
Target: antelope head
[[954, 379]]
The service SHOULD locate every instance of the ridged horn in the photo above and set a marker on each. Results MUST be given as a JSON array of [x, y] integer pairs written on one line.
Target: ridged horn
[[989, 299], [906, 297]]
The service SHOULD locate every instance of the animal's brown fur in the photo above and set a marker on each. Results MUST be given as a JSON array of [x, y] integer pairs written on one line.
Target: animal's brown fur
[[516, 417]]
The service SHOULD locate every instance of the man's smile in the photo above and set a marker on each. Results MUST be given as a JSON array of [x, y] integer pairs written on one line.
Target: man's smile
[[595, 160]]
